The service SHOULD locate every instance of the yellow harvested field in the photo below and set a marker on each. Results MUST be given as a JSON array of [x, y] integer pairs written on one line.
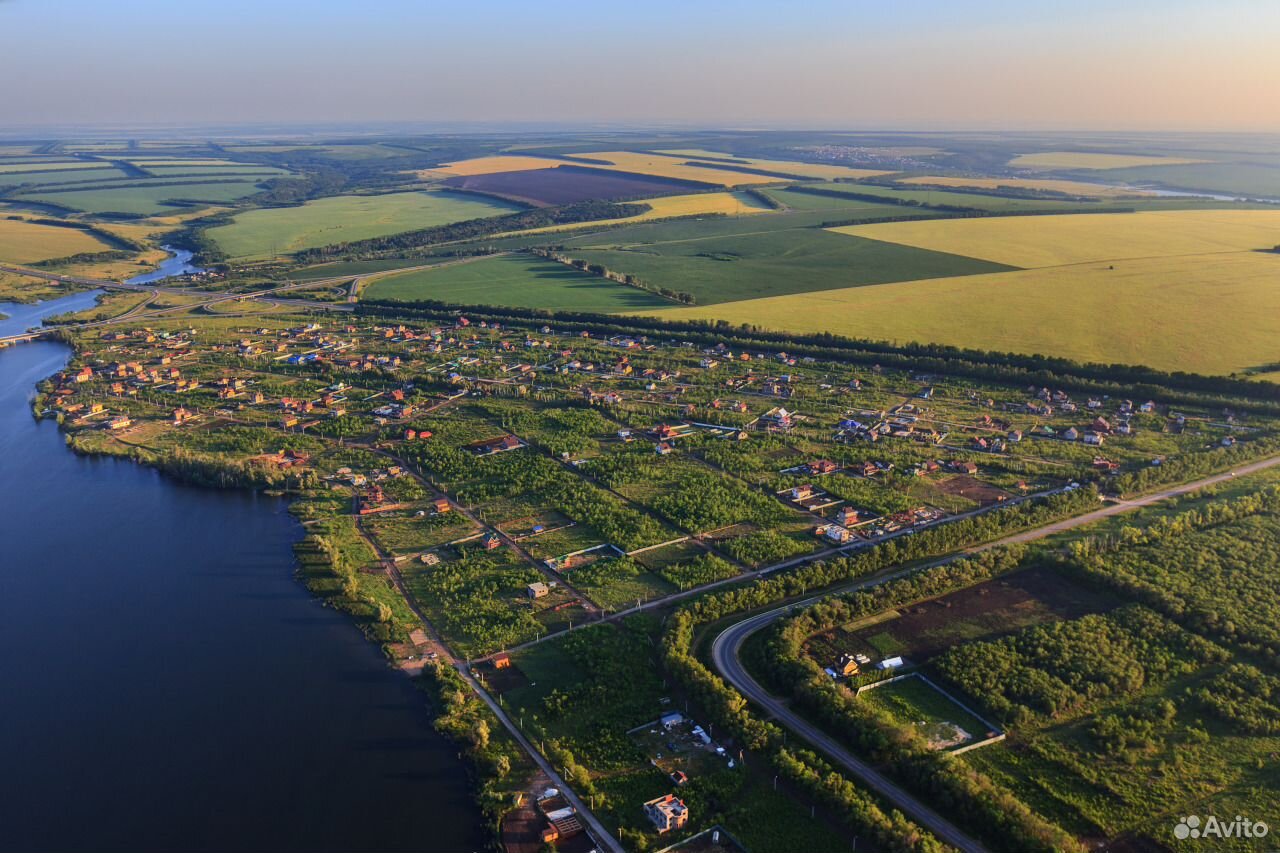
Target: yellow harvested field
[[23, 242], [673, 167], [649, 164], [186, 216], [1082, 188], [1084, 160], [1211, 314], [825, 171], [490, 165], [698, 204], [1049, 241]]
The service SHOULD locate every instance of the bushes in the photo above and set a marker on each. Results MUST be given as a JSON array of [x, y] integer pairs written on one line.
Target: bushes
[[1063, 668], [1246, 698], [464, 718], [762, 547], [1211, 569], [703, 569], [970, 797]]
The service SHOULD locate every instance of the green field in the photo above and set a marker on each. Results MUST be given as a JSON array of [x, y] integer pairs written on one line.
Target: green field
[[61, 176], [915, 702], [143, 200], [261, 233], [809, 201], [770, 263], [1245, 179], [516, 280], [230, 170]]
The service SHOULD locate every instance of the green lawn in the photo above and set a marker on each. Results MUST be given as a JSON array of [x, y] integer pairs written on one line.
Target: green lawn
[[914, 701], [516, 280], [262, 233], [144, 199]]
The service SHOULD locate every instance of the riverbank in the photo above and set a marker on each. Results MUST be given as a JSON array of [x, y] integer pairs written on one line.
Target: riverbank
[[206, 681]]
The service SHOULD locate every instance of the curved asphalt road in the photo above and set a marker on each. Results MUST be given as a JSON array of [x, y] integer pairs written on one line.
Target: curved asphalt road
[[727, 645]]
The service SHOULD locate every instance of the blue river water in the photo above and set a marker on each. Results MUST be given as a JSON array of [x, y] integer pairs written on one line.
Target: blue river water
[[168, 685], [178, 263]]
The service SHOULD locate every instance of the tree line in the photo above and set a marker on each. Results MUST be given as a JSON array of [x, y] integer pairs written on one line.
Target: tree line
[[1176, 387]]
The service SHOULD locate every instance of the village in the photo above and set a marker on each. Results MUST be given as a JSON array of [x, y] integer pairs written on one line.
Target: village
[[487, 488]]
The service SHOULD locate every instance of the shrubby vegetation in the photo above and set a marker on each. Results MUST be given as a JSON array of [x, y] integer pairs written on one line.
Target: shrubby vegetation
[[468, 599], [513, 473], [467, 721], [1245, 697], [1211, 569], [1019, 827], [1064, 668]]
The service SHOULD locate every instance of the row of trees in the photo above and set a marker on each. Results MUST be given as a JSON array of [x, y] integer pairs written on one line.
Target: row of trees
[[557, 254], [888, 829], [542, 217], [1017, 369], [975, 801], [729, 709]]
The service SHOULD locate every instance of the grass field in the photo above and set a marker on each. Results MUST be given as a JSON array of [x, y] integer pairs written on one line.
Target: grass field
[[1089, 160], [228, 171], [1081, 188], [49, 166], [922, 196], [213, 162], [915, 702], [1249, 180], [665, 207], [262, 233], [766, 261], [1208, 314], [1044, 241], [143, 200], [23, 242], [516, 280], [60, 176], [568, 184], [826, 171]]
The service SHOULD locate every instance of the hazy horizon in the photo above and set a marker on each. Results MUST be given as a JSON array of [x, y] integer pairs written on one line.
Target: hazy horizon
[[1176, 66]]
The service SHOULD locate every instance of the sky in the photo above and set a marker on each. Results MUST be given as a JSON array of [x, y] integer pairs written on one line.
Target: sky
[[1192, 65]]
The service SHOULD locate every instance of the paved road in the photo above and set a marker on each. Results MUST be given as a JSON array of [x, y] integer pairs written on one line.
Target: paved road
[[727, 645]]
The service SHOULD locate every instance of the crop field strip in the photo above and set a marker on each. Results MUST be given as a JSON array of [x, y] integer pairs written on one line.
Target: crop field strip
[[1086, 306], [146, 198], [24, 242], [764, 261], [258, 233], [1093, 160], [665, 207], [824, 171], [515, 280], [1048, 241], [566, 184], [1080, 188]]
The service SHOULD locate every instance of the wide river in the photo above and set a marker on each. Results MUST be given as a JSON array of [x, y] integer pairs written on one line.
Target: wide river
[[168, 685]]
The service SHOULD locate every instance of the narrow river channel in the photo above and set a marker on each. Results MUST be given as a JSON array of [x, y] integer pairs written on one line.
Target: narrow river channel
[[168, 685]]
